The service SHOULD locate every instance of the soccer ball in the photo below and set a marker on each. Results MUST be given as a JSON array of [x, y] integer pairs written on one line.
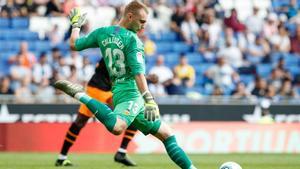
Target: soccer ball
[[230, 165]]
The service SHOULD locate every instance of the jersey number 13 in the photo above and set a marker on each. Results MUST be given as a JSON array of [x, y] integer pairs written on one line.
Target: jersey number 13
[[116, 61]]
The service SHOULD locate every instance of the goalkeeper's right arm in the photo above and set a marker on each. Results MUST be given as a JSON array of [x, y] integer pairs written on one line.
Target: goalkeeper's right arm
[[74, 36], [77, 20]]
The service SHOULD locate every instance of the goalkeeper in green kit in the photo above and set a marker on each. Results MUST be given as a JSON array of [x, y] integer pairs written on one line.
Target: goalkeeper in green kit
[[123, 53]]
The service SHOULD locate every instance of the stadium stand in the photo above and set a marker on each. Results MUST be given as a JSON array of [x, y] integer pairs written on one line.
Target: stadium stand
[[209, 17]]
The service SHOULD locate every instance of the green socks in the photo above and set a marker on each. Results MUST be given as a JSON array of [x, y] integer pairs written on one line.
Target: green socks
[[177, 154], [101, 111]]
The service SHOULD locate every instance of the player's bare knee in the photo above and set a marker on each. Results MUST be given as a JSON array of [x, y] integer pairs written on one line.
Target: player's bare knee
[[119, 128], [164, 132]]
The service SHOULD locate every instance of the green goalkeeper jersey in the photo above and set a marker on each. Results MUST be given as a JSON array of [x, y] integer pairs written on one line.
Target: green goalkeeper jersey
[[123, 53]]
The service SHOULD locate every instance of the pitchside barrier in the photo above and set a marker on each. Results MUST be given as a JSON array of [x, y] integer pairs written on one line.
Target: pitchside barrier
[[194, 137], [10, 113], [200, 128]]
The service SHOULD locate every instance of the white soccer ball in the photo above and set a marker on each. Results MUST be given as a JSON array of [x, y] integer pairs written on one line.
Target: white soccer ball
[[230, 165]]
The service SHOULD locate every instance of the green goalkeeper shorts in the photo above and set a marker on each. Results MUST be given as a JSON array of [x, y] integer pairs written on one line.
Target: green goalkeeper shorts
[[132, 112]]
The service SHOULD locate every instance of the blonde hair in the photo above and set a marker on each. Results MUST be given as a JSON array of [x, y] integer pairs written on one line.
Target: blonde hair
[[134, 6]]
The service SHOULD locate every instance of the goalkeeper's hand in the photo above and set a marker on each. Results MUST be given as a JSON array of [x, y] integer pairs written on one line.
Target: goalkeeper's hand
[[151, 108], [76, 18]]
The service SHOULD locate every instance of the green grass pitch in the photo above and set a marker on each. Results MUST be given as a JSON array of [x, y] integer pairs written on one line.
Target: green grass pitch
[[153, 161]]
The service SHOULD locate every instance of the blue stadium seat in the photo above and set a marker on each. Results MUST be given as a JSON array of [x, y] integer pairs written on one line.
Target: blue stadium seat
[[246, 79], [15, 45], [20, 22], [171, 65], [275, 4], [4, 66], [17, 34], [292, 28], [254, 59], [153, 36], [5, 55], [163, 37], [3, 46], [42, 46], [4, 23], [194, 57], [294, 70], [63, 46], [32, 46], [279, 3], [2, 34], [298, 89], [264, 70], [14, 34], [148, 67], [9, 46], [168, 36], [92, 54], [227, 91], [200, 69], [291, 60], [171, 59], [163, 47], [94, 58], [276, 56], [30, 36], [150, 60], [200, 80], [181, 47], [4, 69]]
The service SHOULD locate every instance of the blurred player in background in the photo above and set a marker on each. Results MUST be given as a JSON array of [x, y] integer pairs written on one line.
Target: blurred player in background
[[123, 54], [98, 87]]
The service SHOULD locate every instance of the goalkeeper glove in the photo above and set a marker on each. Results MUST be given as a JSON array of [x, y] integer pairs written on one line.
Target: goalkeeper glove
[[151, 108], [76, 18]]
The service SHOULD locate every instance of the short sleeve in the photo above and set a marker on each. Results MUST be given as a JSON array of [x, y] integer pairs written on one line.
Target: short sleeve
[[135, 56], [191, 72], [88, 41]]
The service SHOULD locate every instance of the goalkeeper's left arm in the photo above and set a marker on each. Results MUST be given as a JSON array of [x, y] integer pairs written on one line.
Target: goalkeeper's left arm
[[151, 108]]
